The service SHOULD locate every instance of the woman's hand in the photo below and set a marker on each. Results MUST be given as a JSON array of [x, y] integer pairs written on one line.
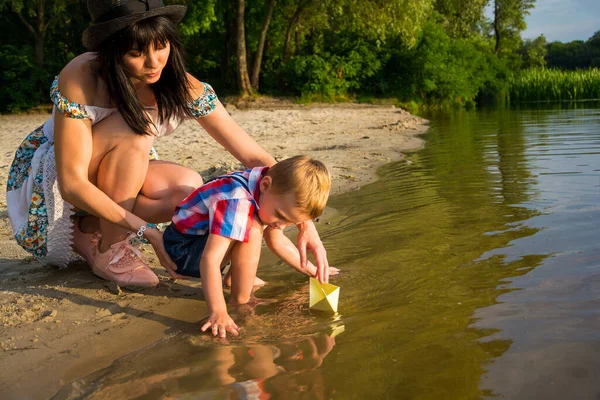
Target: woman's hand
[[308, 239], [155, 238]]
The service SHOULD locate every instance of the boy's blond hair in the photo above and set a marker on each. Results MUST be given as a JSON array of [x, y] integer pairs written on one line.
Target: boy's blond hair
[[307, 178]]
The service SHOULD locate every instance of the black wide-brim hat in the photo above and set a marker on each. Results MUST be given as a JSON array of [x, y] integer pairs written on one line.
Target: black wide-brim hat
[[110, 16]]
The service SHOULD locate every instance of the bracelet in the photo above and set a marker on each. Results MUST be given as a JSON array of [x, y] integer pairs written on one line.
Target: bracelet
[[139, 239], [140, 232]]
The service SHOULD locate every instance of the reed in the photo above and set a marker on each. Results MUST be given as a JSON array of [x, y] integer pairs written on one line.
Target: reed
[[544, 84]]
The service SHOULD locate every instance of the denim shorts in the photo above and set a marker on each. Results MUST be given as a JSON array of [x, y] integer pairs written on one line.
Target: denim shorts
[[185, 250]]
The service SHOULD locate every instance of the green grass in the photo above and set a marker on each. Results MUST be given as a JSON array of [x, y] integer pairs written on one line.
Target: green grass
[[554, 85]]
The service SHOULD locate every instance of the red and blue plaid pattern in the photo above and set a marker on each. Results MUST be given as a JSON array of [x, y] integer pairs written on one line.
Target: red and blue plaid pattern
[[224, 206]]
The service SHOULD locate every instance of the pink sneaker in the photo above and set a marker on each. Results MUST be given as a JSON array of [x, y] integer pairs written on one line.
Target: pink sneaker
[[84, 243], [121, 263]]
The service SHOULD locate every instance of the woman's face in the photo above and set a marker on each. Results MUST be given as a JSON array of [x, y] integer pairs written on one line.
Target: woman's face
[[146, 67]]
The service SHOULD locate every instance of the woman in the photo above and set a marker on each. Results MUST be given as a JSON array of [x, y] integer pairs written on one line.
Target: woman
[[92, 154]]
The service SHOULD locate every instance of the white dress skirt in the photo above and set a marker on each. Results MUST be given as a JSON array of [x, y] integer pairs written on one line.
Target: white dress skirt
[[41, 220]]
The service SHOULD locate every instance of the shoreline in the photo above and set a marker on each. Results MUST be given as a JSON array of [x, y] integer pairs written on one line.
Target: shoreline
[[61, 324]]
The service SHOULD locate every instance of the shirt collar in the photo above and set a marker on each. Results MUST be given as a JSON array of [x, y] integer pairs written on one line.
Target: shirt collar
[[256, 175]]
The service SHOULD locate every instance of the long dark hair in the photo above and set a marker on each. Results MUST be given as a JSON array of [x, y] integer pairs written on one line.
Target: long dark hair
[[171, 90]]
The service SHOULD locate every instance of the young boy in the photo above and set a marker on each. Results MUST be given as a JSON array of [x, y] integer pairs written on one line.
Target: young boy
[[226, 218]]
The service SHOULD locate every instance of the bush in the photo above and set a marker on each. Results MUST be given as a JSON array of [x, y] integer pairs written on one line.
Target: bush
[[449, 71], [20, 80], [345, 69]]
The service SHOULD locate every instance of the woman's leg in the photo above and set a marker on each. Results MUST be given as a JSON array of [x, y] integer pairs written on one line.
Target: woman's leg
[[118, 167], [166, 184]]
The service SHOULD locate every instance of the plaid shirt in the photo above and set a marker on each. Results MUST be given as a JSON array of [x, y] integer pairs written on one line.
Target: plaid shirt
[[224, 206]]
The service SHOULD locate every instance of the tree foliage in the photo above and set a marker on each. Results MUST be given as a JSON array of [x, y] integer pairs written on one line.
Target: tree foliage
[[38, 17], [429, 51], [509, 22], [577, 54], [461, 18], [533, 52]]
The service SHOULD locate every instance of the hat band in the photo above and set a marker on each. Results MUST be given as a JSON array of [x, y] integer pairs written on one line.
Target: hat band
[[129, 8]]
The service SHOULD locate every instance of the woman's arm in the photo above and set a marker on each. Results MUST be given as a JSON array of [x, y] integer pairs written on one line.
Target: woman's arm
[[221, 127], [236, 141]]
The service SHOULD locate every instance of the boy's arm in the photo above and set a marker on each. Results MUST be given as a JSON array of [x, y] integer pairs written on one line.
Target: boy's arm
[[283, 247], [219, 320]]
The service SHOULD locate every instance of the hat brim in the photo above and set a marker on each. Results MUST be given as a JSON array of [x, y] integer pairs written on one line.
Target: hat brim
[[97, 33]]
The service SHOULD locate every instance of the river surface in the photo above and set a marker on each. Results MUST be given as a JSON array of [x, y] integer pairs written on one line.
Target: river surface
[[470, 270]]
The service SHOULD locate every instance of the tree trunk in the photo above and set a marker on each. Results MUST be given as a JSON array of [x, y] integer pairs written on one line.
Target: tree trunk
[[39, 48], [288, 34], [38, 31], [242, 66], [497, 25], [229, 71], [40, 35], [261, 46], [297, 35]]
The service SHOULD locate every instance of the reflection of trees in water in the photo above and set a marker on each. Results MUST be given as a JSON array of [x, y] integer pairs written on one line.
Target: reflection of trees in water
[[274, 355], [515, 177], [419, 243]]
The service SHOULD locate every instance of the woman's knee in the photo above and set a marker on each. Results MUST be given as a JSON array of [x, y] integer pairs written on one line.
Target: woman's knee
[[186, 183], [118, 155], [165, 179], [113, 133]]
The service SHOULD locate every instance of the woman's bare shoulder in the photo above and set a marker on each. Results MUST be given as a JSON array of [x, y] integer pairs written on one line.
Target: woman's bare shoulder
[[197, 87], [79, 82]]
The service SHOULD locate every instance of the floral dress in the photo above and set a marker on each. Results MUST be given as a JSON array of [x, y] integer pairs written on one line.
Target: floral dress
[[40, 218]]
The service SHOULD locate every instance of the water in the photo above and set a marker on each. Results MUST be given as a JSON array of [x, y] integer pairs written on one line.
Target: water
[[470, 270]]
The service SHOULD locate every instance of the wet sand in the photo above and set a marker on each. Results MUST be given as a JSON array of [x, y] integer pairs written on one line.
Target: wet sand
[[61, 324]]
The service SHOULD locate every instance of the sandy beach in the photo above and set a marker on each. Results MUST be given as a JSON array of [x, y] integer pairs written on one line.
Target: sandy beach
[[61, 324]]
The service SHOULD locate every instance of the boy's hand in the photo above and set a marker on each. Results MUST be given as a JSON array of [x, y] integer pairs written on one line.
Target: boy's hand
[[221, 323], [309, 240], [334, 271]]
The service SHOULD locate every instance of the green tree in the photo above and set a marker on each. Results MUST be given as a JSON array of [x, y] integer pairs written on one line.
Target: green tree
[[261, 46], [509, 22], [571, 55], [534, 52], [381, 19], [235, 32], [243, 77], [300, 8], [448, 71], [200, 16], [593, 46], [461, 18], [38, 17]]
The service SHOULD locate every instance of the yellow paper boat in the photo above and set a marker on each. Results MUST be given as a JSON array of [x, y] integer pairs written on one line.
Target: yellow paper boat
[[323, 297]]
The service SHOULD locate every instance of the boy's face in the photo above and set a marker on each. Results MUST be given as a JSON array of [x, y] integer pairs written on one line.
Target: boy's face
[[277, 210]]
